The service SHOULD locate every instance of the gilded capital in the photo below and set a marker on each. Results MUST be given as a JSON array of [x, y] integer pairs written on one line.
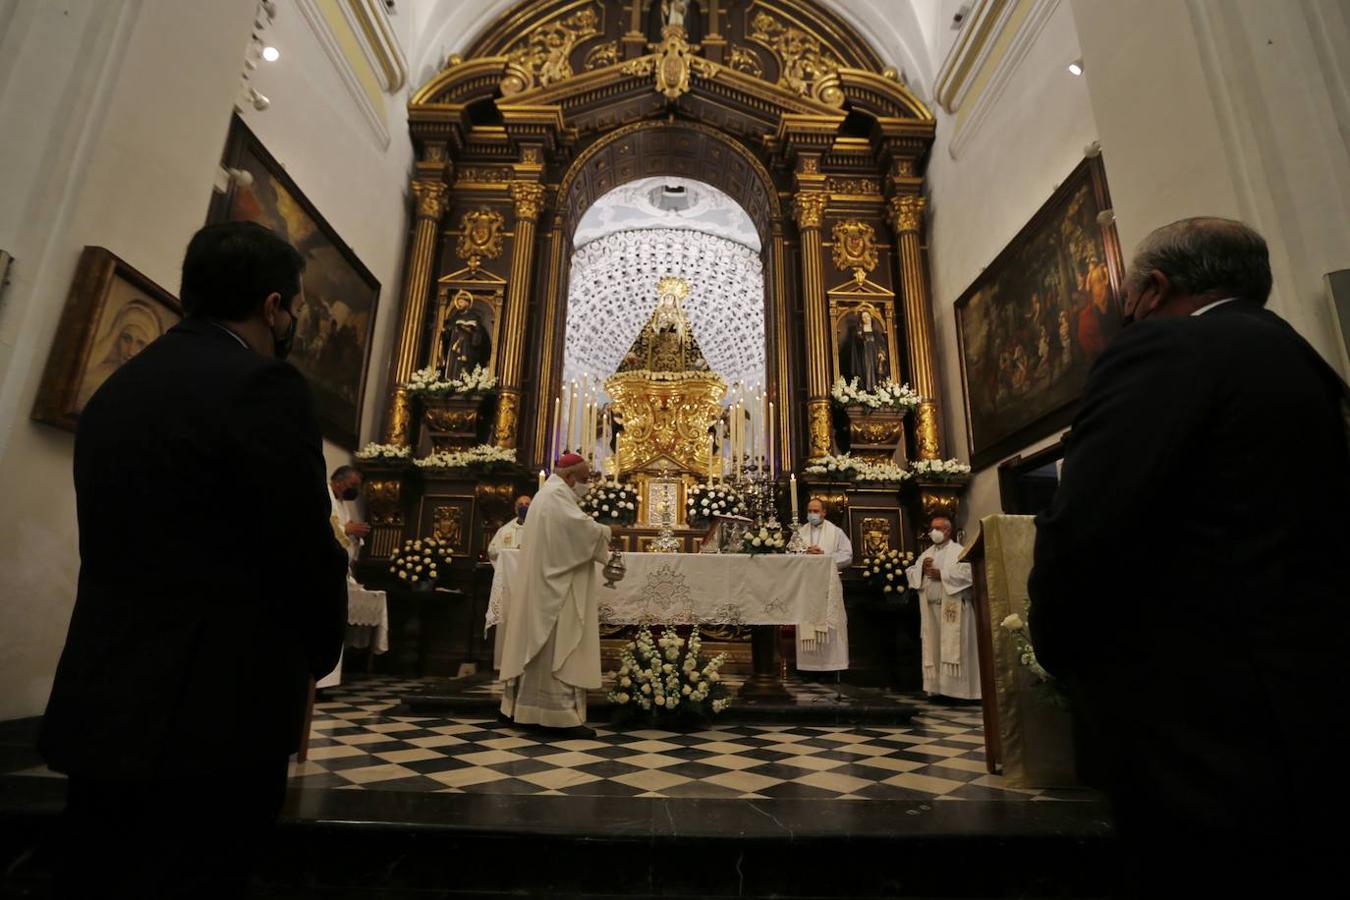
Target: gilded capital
[[431, 197], [529, 197], [907, 212], [809, 207]]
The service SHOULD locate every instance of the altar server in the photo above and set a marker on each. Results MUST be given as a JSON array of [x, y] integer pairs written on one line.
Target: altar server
[[551, 646], [823, 647], [508, 536], [951, 662]]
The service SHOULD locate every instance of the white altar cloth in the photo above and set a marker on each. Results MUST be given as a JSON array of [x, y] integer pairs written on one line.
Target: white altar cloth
[[703, 588]]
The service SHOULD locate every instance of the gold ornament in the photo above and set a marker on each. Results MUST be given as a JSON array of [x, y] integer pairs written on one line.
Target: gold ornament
[[940, 501], [431, 197], [672, 62], [504, 435], [400, 416], [926, 431], [384, 502], [447, 524], [907, 212], [529, 198], [855, 247], [480, 236], [601, 56], [853, 185], [805, 66], [822, 443], [876, 535], [809, 207], [744, 59], [542, 56]]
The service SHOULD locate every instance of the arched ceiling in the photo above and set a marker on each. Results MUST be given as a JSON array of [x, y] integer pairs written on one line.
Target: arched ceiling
[[640, 206], [912, 35]]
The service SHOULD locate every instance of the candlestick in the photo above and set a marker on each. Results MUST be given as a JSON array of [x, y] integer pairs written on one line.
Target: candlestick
[[793, 488], [541, 479]]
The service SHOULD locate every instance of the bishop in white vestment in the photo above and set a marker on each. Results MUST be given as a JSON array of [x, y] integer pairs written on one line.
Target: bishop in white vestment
[[823, 646], [551, 645], [506, 538], [951, 661]]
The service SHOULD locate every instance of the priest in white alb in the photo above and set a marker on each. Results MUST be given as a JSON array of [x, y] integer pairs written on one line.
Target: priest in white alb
[[506, 538], [823, 646], [950, 648], [551, 645]]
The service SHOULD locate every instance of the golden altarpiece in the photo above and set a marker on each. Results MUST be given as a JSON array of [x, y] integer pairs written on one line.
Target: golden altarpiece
[[778, 103]]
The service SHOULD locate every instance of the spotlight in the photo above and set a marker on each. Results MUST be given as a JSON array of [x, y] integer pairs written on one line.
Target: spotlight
[[259, 101], [271, 54], [1076, 67]]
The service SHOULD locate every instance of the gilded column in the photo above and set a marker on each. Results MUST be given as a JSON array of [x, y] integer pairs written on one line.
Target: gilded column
[[553, 285], [529, 198], [431, 199], [907, 221], [809, 207]]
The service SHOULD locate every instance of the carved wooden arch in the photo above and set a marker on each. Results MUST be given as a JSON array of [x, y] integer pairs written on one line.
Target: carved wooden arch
[[619, 157]]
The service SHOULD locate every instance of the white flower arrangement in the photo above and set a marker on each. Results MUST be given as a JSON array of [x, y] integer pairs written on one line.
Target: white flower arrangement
[[704, 501], [384, 453], [1045, 684], [887, 471], [429, 383], [420, 561], [886, 395], [940, 469], [662, 676], [841, 466], [765, 541], [612, 503], [886, 570], [484, 456]]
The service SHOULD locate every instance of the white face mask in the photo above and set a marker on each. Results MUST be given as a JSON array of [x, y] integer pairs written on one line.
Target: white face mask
[[937, 536], [813, 518], [581, 489]]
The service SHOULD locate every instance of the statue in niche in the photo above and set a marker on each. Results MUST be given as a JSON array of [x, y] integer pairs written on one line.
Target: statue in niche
[[465, 343], [866, 356], [684, 13]]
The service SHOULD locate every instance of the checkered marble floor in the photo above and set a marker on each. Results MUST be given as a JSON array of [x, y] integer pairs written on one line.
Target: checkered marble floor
[[803, 692], [358, 743]]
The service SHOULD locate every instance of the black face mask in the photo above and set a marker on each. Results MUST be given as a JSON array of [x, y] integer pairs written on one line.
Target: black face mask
[[351, 493], [521, 511], [281, 346]]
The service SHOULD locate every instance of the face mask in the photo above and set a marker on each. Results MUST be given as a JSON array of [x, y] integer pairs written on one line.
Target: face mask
[[351, 493], [937, 536], [521, 511], [813, 518], [281, 346], [581, 489]]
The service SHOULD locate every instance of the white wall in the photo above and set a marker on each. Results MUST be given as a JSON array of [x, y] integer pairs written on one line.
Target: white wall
[[114, 115], [1006, 170]]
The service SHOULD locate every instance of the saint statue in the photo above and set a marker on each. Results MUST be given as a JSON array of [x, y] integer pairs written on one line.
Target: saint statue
[[867, 352], [464, 338]]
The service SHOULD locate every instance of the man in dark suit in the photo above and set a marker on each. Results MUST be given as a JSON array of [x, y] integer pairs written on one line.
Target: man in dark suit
[[1187, 586], [211, 587]]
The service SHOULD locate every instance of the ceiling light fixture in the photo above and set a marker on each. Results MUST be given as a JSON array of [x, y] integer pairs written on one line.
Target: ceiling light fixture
[[1076, 67], [271, 54]]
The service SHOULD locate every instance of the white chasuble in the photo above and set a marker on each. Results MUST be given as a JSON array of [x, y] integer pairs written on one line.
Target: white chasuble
[[950, 644], [551, 642], [823, 646], [506, 538]]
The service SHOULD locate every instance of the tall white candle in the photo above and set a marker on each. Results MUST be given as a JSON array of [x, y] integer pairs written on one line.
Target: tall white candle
[[571, 417], [764, 428], [769, 429], [557, 424], [710, 460], [541, 479], [793, 489]]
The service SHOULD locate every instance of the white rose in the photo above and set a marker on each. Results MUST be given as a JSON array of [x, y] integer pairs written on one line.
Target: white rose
[[686, 690], [755, 542], [604, 508], [403, 575], [646, 689], [625, 682], [1013, 623]]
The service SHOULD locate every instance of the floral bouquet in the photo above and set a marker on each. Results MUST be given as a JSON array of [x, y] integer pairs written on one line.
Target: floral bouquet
[[429, 383], [952, 470], [662, 677], [612, 503], [886, 471], [484, 457], [765, 541], [384, 453], [887, 395], [1043, 682], [841, 466], [886, 570], [705, 501], [419, 562]]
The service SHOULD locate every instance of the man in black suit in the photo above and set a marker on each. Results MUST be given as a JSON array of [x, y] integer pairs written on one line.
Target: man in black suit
[[211, 587], [1187, 586]]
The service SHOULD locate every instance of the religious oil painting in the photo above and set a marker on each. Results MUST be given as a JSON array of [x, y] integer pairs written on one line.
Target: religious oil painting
[[112, 313], [1034, 321], [336, 319]]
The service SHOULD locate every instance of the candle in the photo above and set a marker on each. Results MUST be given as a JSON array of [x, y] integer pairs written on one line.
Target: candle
[[768, 427], [571, 416], [763, 429], [793, 489], [557, 424], [541, 479], [710, 459]]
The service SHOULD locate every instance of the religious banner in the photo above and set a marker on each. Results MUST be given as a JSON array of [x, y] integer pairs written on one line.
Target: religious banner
[[336, 319], [1036, 319]]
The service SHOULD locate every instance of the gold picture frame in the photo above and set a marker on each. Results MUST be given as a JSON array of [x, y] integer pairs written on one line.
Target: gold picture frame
[[112, 313]]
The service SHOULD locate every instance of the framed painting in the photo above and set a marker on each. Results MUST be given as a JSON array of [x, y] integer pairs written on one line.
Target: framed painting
[[1036, 319], [112, 313], [337, 318]]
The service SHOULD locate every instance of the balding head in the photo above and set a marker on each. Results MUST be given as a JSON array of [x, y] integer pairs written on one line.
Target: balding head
[[1191, 263]]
